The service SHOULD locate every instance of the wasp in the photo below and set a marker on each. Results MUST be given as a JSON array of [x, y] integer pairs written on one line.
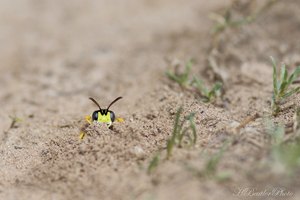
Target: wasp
[[105, 116]]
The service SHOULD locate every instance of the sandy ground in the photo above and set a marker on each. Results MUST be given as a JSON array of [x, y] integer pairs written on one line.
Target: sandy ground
[[56, 53]]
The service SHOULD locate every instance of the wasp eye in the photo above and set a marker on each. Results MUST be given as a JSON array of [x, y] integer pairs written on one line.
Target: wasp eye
[[112, 116], [95, 116]]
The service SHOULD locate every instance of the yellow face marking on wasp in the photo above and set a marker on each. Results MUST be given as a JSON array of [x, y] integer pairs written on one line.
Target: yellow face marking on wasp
[[104, 118]]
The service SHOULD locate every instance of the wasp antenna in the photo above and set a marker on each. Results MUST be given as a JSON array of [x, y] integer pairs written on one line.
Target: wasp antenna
[[95, 102], [114, 102]]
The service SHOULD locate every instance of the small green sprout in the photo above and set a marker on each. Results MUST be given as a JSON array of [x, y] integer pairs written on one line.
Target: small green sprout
[[297, 119], [276, 132], [210, 170], [14, 121], [285, 155], [226, 21], [14, 124], [153, 164], [281, 86], [212, 163], [181, 78], [196, 84], [182, 135], [208, 95]]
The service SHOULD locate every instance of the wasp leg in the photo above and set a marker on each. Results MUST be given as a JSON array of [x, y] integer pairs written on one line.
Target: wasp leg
[[88, 119], [82, 134], [84, 127], [109, 124], [119, 119]]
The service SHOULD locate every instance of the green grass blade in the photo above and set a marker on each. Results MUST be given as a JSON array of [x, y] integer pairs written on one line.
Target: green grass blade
[[213, 92], [296, 119], [200, 86], [183, 78], [185, 75], [291, 92], [182, 134], [153, 164], [282, 90], [288, 156], [170, 145], [193, 127], [294, 75], [283, 76], [171, 142], [275, 87], [274, 106], [177, 126], [188, 67], [173, 77], [181, 131], [180, 127], [212, 163], [178, 113], [283, 80]]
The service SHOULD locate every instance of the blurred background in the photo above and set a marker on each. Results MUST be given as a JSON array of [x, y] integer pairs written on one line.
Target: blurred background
[[54, 54]]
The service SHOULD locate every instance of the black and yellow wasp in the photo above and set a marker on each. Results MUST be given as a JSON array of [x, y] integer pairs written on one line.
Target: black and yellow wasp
[[105, 116]]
